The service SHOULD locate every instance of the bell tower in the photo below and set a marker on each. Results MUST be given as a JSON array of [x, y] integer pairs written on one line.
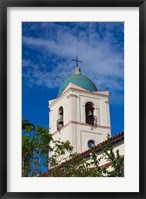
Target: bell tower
[[80, 113]]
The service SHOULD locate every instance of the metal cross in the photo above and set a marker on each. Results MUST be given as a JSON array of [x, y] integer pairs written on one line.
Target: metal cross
[[76, 60]]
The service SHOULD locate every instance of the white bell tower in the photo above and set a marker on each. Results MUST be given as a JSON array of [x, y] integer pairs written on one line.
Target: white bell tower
[[80, 113]]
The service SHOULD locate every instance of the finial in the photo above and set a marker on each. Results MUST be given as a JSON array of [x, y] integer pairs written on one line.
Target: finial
[[77, 61], [77, 70]]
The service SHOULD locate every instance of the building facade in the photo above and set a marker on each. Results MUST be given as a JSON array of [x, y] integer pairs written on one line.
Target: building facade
[[80, 113]]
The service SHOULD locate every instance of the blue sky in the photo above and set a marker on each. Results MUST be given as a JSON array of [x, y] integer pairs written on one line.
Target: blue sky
[[47, 53]]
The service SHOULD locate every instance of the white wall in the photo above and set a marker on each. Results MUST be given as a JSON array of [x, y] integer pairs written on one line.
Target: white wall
[[119, 146], [75, 129]]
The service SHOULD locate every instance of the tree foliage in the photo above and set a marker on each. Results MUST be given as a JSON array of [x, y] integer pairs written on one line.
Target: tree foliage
[[35, 147], [117, 161], [37, 143]]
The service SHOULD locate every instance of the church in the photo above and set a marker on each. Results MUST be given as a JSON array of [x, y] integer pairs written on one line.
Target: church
[[81, 114]]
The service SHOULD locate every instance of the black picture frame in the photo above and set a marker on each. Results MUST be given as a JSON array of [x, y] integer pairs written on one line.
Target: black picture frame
[[4, 4]]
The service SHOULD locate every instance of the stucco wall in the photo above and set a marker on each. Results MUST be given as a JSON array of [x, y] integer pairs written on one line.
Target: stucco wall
[[75, 129]]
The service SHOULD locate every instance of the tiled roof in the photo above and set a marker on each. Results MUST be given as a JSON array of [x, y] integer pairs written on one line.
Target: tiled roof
[[115, 139]]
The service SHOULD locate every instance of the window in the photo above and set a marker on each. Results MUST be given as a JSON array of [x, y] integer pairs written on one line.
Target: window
[[60, 122], [89, 111], [91, 143]]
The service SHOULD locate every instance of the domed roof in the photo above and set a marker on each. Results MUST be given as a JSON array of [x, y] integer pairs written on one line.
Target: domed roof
[[78, 79]]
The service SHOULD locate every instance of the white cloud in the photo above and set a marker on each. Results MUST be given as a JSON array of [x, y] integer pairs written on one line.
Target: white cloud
[[101, 60]]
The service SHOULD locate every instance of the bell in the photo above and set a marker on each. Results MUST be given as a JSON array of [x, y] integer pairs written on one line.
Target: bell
[[60, 117], [60, 112], [60, 123], [90, 113], [90, 117], [60, 120]]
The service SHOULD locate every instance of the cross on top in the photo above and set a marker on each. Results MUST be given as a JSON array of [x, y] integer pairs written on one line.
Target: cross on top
[[77, 61]]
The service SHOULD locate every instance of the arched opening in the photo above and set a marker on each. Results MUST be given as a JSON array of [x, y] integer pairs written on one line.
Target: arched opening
[[89, 111], [60, 122]]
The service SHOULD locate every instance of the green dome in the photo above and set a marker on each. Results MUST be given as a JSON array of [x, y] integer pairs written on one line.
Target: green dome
[[78, 79]]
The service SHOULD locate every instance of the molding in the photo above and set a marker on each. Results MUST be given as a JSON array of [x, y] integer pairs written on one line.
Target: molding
[[61, 128], [80, 123], [101, 94], [83, 91], [89, 99], [82, 131], [72, 95], [85, 124], [105, 165]]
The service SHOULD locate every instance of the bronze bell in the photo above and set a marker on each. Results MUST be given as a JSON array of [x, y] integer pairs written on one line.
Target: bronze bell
[[90, 117], [90, 113]]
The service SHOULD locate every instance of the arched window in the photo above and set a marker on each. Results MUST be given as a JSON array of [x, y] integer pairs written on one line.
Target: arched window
[[89, 111], [60, 122]]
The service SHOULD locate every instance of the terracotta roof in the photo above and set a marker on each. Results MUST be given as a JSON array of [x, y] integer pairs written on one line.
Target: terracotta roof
[[115, 139]]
